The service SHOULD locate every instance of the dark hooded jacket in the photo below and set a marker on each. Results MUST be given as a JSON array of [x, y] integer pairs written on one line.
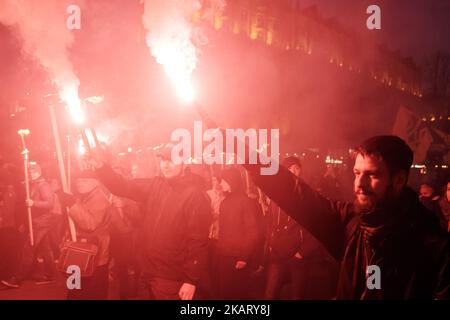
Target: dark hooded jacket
[[442, 211], [7, 207], [284, 234], [174, 226], [286, 238], [403, 240], [240, 232], [43, 197], [42, 211]]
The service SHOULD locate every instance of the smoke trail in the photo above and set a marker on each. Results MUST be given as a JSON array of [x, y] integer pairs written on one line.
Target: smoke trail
[[42, 27], [170, 38]]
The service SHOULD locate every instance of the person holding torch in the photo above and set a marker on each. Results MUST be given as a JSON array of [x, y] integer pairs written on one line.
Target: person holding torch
[[44, 220]]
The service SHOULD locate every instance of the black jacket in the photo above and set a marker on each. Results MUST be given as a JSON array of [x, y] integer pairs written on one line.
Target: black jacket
[[285, 238], [412, 252], [43, 197], [175, 224], [284, 235], [240, 230]]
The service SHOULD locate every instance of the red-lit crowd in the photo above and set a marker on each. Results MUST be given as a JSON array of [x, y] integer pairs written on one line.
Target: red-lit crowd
[[178, 236]]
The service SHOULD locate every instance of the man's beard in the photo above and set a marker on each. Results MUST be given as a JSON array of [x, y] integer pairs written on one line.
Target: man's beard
[[372, 202]]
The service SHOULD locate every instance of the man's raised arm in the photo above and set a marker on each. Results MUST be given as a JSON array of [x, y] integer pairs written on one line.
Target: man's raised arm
[[136, 190], [323, 218]]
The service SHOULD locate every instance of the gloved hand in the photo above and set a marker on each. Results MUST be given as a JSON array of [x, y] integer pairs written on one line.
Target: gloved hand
[[67, 199]]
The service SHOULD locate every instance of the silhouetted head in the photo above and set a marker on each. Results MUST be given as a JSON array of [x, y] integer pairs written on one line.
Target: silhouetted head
[[294, 165], [231, 180], [35, 171], [86, 181], [425, 190], [169, 168]]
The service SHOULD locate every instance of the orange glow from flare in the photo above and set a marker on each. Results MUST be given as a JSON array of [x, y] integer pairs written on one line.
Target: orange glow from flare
[[81, 147], [169, 37], [179, 66], [70, 97]]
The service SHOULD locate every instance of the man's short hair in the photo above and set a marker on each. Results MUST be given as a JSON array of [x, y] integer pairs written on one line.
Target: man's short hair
[[33, 165], [426, 184], [164, 151], [290, 161], [395, 152]]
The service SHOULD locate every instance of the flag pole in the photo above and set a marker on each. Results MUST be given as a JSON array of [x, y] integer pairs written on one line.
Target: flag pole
[[60, 159], [69, 165]]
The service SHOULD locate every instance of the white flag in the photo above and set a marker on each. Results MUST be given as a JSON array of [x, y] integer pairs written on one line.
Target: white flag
[[411, 128]]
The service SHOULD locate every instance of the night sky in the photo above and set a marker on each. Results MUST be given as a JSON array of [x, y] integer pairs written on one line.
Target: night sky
[[415, 27]]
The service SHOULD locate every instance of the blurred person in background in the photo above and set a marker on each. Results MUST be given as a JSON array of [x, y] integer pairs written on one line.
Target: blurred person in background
[[91, 213], [124, 241], [239, 236], [427, 196], [44, 220], [11, 242], [295, 257], [443, 208], [216, 196]]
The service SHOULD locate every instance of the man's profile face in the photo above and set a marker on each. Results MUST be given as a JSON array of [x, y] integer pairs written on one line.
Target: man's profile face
[[170, 169], [295, 170], [373, 184], [425, 191], [35, 173]]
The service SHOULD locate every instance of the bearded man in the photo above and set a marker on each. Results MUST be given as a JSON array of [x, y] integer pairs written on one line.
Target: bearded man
[[388, 245]]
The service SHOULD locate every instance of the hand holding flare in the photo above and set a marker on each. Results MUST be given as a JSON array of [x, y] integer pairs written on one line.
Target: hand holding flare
[[96, 157]]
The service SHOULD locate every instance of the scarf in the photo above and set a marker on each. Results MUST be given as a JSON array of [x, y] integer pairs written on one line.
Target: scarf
[[376, 241]]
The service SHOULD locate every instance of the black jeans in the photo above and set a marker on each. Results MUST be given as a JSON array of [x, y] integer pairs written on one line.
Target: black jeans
[[42, 228], [281, 272], [211, 281], [56, 235], [162, 289], [310, 279], [94, 287], [124, 255], [234, 284]]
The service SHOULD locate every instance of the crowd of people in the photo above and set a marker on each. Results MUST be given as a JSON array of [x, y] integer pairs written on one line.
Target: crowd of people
[[239, 236]]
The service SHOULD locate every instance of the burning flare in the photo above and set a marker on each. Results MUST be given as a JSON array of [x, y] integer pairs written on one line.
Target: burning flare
[[41, 25], [69, 95]]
